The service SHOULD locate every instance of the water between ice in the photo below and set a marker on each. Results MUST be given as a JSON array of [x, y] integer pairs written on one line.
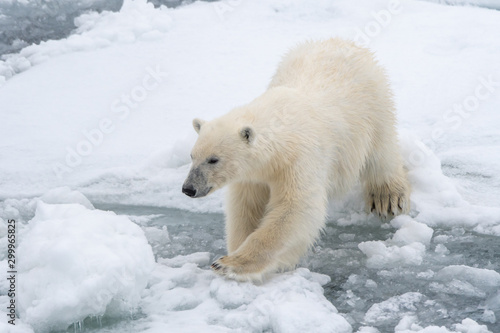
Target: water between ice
[[365, 296]]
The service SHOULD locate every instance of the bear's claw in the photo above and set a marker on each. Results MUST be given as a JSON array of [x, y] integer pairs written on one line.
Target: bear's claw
[[388, 205], [224, 270], [215, 266], [232, 271]]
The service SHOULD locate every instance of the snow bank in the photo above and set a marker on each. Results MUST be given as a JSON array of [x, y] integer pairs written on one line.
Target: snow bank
[[77, 263], [435, 198], [185, 298]]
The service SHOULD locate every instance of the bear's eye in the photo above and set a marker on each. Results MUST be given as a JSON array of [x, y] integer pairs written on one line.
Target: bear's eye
[[213, 160]]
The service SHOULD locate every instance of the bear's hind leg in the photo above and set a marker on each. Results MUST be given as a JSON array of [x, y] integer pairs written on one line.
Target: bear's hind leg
[[246, 204], [387, 189]]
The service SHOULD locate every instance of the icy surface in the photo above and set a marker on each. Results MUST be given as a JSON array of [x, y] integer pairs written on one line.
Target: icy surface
[[190, 299], [480, 3], [77, 263], [62, 195], [100, 121]]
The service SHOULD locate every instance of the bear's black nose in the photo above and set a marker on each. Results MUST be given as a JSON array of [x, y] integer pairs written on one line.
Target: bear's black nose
[[189, 191]]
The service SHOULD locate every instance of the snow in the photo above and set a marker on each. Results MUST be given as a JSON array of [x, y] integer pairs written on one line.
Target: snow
[[465, 280], [408, 325], [410, 231], [97, 135], [380, 255], [184, 299], [393, 308], [64, 195], [481, 3], [413, 237], [77, 263]]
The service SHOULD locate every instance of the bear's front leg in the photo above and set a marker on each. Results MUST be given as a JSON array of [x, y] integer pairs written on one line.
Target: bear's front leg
[[246, 204], [286, 232]]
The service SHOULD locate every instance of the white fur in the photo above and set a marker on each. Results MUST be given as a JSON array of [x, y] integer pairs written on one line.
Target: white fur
[[325, 122]]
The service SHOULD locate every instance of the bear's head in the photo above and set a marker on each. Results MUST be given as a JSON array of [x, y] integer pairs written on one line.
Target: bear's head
[[221, 155]]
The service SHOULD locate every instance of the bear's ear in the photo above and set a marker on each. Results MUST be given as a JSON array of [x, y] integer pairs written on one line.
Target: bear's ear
[[197, 124], [247, 133]]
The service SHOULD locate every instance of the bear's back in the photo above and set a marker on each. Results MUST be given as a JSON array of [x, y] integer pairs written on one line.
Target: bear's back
[[319, 66]]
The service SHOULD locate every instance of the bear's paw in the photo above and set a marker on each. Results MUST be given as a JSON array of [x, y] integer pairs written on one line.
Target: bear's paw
[[236, 268]]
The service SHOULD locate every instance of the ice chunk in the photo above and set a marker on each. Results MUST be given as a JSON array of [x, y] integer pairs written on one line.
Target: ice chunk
[[413, 237], [143, 219], [457, 287], [367, 329], [275, 302], [157, 235], [19, 209], [411, 231], [382, 256], [198, 258], [470, 326], [428, 274], [75, 262], [493, 302], [441, 249], [393, 308], [407, 323], [158, 238], [63, 195], [428, 329], [466, 281], [484, 279], [489, 317]]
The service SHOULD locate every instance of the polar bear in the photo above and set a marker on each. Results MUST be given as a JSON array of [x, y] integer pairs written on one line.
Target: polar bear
[[325, 122]]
